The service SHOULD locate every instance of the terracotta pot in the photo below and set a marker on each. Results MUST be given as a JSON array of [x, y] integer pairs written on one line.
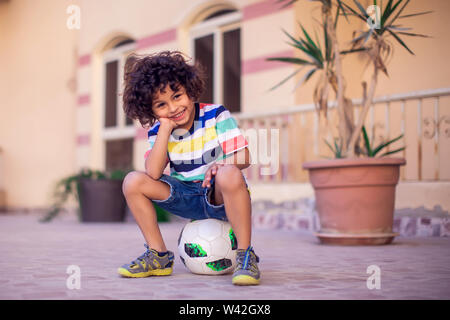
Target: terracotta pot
[[355, 199]]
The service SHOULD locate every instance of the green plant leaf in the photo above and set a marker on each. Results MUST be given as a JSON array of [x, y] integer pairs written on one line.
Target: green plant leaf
[[315, 55], [308, 38], [398, 13], [306, 49], [295, 41], [118, 174], [399, 28], [393, 151], [414, 34], [354, 50], [306, 77], [400, 41], [317, 41], [384, 145], [415, 14], [329, 146], [339, 9], [367, 142], [386, 13], [353, 12], [361, 9], [291, 60], [337, 150], [312, 49], [285, 79], [337, 17]]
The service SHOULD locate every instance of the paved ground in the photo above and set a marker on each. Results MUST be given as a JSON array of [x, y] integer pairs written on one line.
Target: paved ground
[[34, 258]]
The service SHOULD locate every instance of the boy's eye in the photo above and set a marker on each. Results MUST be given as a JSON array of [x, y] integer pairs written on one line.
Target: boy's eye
[[177, 96]]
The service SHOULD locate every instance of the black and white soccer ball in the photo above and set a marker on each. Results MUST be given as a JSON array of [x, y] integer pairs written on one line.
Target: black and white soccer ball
[[208, 247]]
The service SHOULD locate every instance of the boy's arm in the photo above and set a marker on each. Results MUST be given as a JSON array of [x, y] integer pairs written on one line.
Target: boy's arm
[[233, 144], [157, 160], [240, 159]]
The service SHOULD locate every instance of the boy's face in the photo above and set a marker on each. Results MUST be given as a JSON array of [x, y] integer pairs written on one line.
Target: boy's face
[[175, 105]]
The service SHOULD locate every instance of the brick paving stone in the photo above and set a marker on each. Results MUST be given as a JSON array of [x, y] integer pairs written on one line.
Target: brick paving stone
[[34, 258]]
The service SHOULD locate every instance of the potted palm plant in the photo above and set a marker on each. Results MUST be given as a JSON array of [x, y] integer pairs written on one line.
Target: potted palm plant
[[355, 192]]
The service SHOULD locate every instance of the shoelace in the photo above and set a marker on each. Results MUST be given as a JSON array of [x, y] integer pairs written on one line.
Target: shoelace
[[247, 257], [143, 256]]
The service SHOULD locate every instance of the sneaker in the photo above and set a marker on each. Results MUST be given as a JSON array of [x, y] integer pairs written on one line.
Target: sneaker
[[246, 272], [148, 264]]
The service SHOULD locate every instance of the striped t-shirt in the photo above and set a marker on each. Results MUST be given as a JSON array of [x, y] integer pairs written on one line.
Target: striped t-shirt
[[214, 135]]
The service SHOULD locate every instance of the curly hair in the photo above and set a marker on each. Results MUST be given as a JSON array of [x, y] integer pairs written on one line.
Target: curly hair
[[146, 75]]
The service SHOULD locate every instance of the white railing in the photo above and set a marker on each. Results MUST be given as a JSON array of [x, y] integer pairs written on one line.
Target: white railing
[[423, 117]]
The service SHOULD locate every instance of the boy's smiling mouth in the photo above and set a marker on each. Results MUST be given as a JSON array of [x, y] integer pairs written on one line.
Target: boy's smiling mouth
[[179, 115]]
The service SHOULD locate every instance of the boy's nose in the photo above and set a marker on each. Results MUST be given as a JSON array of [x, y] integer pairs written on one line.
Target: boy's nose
[[173, 109]]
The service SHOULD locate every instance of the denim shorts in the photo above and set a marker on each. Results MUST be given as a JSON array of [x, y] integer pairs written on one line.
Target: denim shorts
[[190, 200]]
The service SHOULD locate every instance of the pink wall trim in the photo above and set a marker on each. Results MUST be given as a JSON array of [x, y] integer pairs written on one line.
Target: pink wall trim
[[262, 8], [261, 64], [151, 40], [158, 38], [83, 139], [84, 60], [83, 99]]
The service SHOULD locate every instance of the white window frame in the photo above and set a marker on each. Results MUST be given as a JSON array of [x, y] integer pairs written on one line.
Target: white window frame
[[121, 130], [216, 27]]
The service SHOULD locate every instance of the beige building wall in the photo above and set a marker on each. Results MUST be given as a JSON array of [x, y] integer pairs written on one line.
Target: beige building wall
[[52, 88], [261, 39], [38, 94]]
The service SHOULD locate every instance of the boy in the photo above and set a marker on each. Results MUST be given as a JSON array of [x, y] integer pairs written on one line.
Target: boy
[[206, 151]]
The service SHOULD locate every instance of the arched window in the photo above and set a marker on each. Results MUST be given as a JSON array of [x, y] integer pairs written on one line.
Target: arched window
[[216, 44], [118, 130]]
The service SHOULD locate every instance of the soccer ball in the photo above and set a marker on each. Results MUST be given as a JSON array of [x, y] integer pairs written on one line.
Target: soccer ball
[[208, 247]]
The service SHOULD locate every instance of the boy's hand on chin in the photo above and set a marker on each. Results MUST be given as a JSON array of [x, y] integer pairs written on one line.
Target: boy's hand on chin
[[167, 123]]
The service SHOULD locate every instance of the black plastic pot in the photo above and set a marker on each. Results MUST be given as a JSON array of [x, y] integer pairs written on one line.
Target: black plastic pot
[[101, 200]]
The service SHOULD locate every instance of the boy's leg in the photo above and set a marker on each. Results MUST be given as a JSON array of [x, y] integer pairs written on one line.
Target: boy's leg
[[230, 189], [139, 188]]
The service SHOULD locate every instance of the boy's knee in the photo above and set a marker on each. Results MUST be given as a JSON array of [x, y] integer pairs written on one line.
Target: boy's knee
[[133, 181], [229, 177]]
